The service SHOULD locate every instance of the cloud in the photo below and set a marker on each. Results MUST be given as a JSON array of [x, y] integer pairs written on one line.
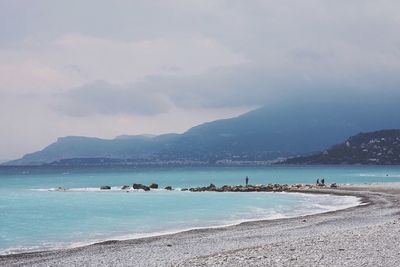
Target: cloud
[[101, 97], [159, 58]]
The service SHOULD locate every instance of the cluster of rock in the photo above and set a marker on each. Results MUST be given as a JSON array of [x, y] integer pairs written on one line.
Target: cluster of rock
[[257, 188], [137, 187], [225, 188]]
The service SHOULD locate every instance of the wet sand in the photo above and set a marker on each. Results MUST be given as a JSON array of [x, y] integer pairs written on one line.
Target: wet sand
[[367, 235]]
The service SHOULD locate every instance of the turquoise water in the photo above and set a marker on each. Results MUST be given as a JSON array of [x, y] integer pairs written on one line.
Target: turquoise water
[[33, 218]]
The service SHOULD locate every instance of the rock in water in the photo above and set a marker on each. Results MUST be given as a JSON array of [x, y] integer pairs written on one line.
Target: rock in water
[[125, 187], [153, 186], [136, 186], [168, 188], [145, 188], [105, 187], [140, 186]]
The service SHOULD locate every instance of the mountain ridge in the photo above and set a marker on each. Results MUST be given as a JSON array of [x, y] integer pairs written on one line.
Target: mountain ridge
[[264, 134]]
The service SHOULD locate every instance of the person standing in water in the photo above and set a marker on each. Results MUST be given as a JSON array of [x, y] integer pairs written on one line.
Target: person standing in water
[[247, 180]]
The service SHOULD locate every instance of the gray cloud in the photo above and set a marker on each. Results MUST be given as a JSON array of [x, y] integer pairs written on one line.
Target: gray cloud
[[157, 57], [101, 97]]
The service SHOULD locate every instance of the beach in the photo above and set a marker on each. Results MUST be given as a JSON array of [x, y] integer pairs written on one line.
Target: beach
[[366, 235]]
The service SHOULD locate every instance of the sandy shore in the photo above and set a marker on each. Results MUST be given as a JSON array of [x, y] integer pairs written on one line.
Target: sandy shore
[[367, 235]]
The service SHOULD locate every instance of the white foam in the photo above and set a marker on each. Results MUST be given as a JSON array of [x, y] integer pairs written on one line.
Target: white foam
[[97, 189]]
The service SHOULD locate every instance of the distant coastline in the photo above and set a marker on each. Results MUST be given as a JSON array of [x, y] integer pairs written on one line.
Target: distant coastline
[[371, 148]]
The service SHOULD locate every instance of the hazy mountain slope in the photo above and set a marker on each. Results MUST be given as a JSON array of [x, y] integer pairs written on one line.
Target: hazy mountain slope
[[88, 147], [274, 131]]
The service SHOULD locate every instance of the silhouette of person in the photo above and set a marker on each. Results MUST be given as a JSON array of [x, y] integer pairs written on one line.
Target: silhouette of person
[[247, 180], [323, 181], [317, 181]]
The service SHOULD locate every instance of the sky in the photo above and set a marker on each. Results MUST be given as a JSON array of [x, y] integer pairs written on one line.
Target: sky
[[106, 68]]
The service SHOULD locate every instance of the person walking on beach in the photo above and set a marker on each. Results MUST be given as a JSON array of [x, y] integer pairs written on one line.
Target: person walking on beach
[[247, 180], [318, 181], [323, 181]]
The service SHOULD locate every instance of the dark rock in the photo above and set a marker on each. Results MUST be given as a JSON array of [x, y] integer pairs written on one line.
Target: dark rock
[[153, 186], [141, 186], [125, 187], [105, 187], [137, 186], [168, 188], [334, 185], [145, 188], [184, 189]]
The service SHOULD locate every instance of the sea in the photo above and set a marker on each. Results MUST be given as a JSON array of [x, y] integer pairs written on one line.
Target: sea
[[35, 217]]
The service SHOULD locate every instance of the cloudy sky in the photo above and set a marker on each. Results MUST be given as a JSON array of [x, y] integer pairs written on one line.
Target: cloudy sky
[[106, 68]]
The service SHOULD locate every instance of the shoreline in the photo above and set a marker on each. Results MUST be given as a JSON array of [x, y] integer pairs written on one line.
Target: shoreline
[[246, 235]]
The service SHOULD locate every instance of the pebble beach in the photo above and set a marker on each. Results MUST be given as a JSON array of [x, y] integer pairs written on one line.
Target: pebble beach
[[366, 235]]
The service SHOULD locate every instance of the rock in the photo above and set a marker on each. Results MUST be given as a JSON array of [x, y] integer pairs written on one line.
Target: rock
[[137, 186], [334, 185], [125, 187], [153, 186], [168, 188], [184, 189], [105, 187], [145, 188], [141, 186]]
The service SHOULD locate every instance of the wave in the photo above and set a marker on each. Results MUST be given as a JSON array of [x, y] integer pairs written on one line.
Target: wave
[[381, 175], [95, 189]]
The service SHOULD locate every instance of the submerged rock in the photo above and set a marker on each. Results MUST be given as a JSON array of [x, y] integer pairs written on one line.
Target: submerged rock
[[145, 188], [153, 186], [125, 187], [105, 187]]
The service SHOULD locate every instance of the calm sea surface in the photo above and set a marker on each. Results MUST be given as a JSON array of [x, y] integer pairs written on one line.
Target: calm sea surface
[[33, 218]]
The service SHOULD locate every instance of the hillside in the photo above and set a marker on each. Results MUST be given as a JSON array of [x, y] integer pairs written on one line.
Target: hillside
[[380, 148], [264, 134]]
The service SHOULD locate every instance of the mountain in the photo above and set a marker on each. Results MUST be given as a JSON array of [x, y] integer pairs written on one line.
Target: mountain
[[263, 134], [379, 147], [122, 147]]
